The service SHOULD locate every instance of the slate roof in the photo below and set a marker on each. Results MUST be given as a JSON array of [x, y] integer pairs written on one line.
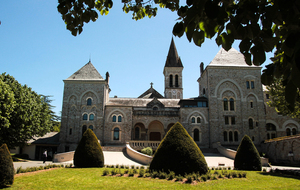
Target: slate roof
[[51, 138], [140, 102], [87, 72], [173, 60], [151, 93], [229, 58]]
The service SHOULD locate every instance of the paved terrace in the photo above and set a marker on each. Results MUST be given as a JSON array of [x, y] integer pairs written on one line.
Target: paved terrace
[[114, 158]]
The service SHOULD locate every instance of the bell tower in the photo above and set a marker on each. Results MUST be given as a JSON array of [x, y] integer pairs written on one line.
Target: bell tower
[[173, 74]]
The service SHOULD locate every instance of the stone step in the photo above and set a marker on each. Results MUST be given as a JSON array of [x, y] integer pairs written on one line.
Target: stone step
[[113, 148]]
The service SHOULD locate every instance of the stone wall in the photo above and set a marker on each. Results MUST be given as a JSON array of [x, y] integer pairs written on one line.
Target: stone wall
[[283, 150]]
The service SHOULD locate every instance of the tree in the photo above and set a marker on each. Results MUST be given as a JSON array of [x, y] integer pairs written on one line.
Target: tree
[[259, 25], [55, 120], [247, 156], [7, 170], [88, 152], [24, 114], [277, 95], [179, 153]]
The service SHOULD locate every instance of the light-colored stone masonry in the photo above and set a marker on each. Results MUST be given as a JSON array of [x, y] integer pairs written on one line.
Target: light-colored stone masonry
[[144, 119]]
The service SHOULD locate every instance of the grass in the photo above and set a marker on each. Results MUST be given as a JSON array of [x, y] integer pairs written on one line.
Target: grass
[[91, 178]]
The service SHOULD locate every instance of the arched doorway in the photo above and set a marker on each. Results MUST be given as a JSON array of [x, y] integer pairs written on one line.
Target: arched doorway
[[139, 132], [155, 131]]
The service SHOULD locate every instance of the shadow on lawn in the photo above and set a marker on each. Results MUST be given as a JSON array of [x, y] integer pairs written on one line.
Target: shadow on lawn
[[282, 173]]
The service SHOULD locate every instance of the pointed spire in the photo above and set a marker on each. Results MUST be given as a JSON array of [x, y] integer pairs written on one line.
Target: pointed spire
[[173, 60]]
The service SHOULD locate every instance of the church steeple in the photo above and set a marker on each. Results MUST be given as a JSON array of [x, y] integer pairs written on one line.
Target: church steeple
[[173, 60], [173, 74]]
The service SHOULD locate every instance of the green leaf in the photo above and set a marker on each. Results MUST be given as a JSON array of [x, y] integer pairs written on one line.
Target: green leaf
[[259, 55], [198, 38], [178, 29], [247, 57], [245, 45]]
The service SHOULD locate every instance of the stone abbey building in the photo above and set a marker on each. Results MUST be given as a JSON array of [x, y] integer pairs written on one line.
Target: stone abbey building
[[231, 103]]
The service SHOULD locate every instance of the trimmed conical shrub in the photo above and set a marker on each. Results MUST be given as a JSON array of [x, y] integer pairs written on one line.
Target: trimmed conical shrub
[[7, 170], [88, 152], [179, 153], [247, 156]]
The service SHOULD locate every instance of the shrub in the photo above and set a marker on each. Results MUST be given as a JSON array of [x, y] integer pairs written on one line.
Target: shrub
[[105, 172], [171, 175], [88, 152], [147, 151], [247, 156], [162, 175], [178, 152], [141, 173], [7, 170]]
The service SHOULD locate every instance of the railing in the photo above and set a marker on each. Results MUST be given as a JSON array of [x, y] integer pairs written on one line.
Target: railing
[[139, 145]]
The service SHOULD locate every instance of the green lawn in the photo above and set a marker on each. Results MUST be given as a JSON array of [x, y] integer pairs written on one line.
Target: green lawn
[[91, 178]]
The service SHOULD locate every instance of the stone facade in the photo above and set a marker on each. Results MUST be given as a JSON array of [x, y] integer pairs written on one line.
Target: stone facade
[[231, 103]]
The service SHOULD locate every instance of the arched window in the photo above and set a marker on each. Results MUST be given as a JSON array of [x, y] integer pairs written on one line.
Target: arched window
[[176, 81], [171, 81], [250, 123], [193, 120], [91, 127], [91, 118], [84, 129], [231, 104], [294, 131], [119, 118], [114, 118], [225, 103], [270, 127], [236, 136], [230, 136], [225, 136], [288, 132], [116, 133], [89, 101], [137, 133], [196, 135], [198, 120], [85, 116]]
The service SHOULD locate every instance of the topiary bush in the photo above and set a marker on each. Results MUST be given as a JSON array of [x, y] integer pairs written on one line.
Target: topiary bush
[[7, 170], [88, 152], [247, 156], [179, 153]]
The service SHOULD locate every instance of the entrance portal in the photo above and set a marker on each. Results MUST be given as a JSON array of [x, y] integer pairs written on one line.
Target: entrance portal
[[156, 131]]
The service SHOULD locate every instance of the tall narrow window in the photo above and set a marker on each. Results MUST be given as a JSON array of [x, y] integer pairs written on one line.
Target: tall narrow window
[[84, 129], [231, 104], [198, 120], [89, 102], [236, 136], [196, 134], [114, 118], [288, 132], [176, 81], [251, 104], [91, 127], [225, 104], [119, 118], [203, 91], [248, 84], [250, 123], [225, 136], [252, 84], [85, 116], [116, 133], [253, 138], [137, 133], [232, 120], [226, 120], [230, 136], [171, 81], [193, 120], [91, 118], [268, 136], [294, 131], [70, 131]]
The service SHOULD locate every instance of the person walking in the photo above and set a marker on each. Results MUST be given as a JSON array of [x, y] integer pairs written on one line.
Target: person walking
[[44, 156]]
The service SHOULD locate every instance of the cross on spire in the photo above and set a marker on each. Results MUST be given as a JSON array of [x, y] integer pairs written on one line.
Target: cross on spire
[[151, 84]]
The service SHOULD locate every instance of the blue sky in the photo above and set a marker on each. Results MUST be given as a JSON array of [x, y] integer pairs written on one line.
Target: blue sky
[[38, 50]]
